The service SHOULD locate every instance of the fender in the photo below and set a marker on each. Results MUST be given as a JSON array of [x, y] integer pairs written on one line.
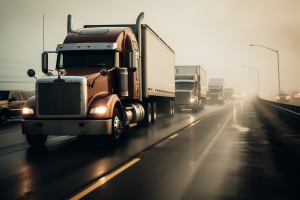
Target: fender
[[107, 100], [5, 109], [30, 103]]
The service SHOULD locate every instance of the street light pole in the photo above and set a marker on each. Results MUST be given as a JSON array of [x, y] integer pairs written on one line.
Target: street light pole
[[257, 77], [277, 61]]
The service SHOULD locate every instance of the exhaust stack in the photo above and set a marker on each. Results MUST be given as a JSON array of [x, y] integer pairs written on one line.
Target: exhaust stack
[[70, 24], [139, 35]]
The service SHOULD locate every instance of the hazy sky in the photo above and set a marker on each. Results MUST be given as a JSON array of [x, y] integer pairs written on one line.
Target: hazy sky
[[215, 34]]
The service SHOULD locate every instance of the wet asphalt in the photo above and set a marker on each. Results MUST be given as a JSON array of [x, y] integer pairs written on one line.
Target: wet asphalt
[[222, 152], [66, 164], [226, 155]]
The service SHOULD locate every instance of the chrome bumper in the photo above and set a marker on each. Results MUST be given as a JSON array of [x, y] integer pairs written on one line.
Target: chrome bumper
[[66, 127]]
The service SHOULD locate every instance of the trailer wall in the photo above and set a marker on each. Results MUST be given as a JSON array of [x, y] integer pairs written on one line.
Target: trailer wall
[[158, 61]]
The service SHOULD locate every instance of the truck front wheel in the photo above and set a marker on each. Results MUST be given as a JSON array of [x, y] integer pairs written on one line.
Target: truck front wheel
[[36, 140], [117, 126]]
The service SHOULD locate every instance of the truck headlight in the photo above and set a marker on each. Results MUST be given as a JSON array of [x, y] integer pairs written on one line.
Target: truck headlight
[[192, 100], [219, 97], [98, 110], [28, 111], [207, 97]]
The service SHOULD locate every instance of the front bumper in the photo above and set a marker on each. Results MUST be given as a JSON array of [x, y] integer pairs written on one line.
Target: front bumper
[[186, 105], [66, 127]]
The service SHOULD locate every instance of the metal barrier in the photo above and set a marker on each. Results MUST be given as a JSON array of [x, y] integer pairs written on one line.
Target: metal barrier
[[288, 113]]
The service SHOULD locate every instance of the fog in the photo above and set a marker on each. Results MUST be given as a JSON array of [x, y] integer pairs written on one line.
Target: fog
[[215, 34]]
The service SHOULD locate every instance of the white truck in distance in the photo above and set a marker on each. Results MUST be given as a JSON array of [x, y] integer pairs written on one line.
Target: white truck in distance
[[216, 91], [190, 87]]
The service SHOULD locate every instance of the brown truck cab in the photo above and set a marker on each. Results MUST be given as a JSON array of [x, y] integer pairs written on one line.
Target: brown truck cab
[[98, 86]]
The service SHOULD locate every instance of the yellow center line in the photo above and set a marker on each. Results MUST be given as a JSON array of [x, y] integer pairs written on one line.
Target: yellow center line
[[104, 179], [173, 136]]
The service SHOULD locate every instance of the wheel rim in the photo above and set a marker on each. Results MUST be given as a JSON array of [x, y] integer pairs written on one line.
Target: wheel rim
[[117, 126], [173, 107], [3, 118], [149, 115]]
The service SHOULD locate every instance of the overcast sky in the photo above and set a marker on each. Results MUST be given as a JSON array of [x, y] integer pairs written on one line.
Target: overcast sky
[[215, 34]]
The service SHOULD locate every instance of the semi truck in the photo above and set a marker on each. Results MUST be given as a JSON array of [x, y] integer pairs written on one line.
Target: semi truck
[[190, 87], [106, 77], [229, 93], [216, 91]]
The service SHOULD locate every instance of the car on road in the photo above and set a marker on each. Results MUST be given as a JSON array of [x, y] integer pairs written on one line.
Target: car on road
[[238, 95], [282, 97], [11, 105]]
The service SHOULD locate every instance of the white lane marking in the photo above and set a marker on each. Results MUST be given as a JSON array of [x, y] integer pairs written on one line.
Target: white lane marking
[[173, 136], [9, 133], [205, 152], [104, 179]]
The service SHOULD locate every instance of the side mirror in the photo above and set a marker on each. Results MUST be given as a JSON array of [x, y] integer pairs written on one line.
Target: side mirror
[[103, 72], [31, 73], [133, 61], [45, 62]]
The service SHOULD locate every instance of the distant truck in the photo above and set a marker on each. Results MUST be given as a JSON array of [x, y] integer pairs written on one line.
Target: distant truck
[[229, 94], [136, 82], [216, 91], [190, 87], [11, 105]]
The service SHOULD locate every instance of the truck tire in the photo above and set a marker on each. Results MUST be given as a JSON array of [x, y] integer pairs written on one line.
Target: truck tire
[[148, 114], [154, 113], [196, 109], [202, 105], [168, 109], [117, 126], [173, 108], [36, 140], [3, 118]]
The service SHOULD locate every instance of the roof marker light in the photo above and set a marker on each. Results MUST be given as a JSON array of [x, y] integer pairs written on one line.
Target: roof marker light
[[108, 45], [89, 46], [78, 46], [61, 47]]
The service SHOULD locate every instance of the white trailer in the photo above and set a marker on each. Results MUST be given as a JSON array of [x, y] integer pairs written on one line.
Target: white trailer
[[158, 61]]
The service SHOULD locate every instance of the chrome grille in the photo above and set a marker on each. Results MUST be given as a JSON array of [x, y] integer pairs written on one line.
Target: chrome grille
[[59, 99], [183, 96], [214, 97]]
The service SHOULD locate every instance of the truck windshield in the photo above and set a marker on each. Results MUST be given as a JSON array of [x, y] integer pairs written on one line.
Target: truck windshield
[[214, 90], [67, 59], [4, 95], [184, 84]]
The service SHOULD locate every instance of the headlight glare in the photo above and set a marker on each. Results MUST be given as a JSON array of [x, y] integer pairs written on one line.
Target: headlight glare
[[98, 110], [28, 111]]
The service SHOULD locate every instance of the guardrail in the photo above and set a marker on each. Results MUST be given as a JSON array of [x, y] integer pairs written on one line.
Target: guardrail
[[288, 113]]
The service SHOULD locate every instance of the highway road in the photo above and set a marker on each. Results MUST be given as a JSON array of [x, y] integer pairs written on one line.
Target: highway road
[[219, 153]]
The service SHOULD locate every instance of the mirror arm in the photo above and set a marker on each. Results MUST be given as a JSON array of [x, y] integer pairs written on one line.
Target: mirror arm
[[91, 85]]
